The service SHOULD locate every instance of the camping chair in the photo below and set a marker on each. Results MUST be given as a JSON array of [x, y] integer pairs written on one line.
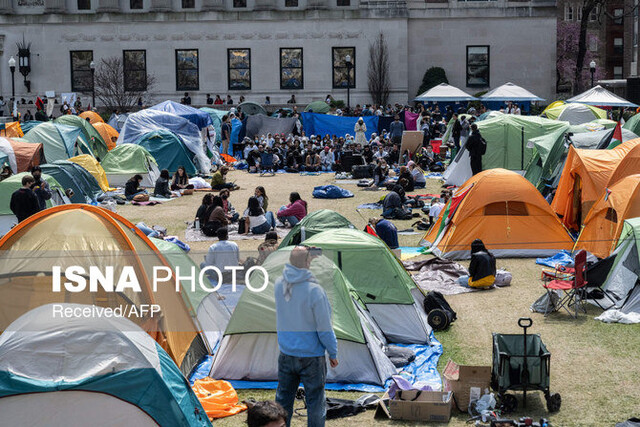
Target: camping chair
[[571, 287], [267, 164]]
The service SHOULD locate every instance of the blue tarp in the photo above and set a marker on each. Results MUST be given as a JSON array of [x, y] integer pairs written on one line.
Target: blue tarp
[[324, 124], [197, 117], [561, 258], [331, 192]]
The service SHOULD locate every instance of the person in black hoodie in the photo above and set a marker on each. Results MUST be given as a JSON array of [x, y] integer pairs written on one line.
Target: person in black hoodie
[[132, 187], [482, 269], [40, 188], [24, 202], [205, 208], [477, 147]]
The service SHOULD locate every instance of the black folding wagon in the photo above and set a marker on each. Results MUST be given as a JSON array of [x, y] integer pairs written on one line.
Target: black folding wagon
[[521, 363]]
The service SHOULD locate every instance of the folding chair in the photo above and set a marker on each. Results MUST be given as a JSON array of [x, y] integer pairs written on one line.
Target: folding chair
[[571, 287], [266, 164]]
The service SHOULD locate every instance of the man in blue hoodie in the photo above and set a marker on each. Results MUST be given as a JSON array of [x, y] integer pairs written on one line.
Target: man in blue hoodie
[[305, 334]]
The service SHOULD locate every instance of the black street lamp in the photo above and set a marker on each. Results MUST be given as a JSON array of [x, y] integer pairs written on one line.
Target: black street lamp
[[12, 67], [592, 69], [349, 65], [92, 65]]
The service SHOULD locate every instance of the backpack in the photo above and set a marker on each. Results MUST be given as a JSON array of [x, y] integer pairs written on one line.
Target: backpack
[[210, 229], [439, 313]]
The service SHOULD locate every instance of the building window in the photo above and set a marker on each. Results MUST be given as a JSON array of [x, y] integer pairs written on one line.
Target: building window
[[84, 4], [617, 72], [187, 69], [593, 44], [568, 12], [239, 69], [617, 45], [593, 16], [478, 70], [291, 74], [290, 3], [188, 4], [135, 4], [344, 2], [618, 16], [344, 75], [579, 13], [239, 3], [134, 64], [81, 78]]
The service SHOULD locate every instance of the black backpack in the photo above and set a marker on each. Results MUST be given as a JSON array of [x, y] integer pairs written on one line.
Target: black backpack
[[439, 313]]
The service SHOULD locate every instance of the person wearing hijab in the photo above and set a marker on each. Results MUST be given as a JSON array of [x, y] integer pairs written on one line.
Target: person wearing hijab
[[360, 130], [482, 269]]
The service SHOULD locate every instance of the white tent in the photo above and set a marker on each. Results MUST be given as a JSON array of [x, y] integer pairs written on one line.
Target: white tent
[[445, 93], [599, 96], [510, 92]]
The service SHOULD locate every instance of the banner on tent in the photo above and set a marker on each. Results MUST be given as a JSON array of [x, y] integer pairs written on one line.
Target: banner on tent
[[324, 124]]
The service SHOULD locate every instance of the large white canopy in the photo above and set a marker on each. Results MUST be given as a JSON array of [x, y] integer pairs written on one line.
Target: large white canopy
[[445, 93], [601, 97], [510, 92]]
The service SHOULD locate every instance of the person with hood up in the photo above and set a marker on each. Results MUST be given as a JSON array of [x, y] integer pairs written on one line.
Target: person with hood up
[[482, 269], [360, 130], [305, 334], [294, 211]]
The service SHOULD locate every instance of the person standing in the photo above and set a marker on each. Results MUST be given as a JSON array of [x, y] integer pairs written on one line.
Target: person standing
[[477, 146], [396, 128], [464, 130], [360, 129], [225, 130], [24, 202], [455, 133], [305, 334], [40, 188]]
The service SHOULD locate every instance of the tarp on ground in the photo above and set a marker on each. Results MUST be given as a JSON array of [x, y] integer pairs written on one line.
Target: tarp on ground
[[200, 118], [445, 93], [59, 142], [601, 97], [146, 121], [258, 125], [330, 192], [324, 124], [91, 135], [510, 92]]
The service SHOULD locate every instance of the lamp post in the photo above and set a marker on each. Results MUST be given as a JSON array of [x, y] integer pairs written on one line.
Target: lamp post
[[349, 65], [592, 69], [92, 65], [12, 67]]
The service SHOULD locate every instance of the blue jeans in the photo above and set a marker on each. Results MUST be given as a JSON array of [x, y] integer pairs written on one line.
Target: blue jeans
[[148, 231], [464, 281], [292, 220], [312, 372], [263, 228], [131, 196]]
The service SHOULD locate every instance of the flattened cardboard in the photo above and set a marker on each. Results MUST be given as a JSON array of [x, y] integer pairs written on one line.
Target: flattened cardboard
[[466, 382]]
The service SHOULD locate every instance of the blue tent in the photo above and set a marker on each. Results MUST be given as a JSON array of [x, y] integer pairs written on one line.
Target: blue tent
[[168, 150], [323, 124], [27, 126], [197, 117], [71, 175]]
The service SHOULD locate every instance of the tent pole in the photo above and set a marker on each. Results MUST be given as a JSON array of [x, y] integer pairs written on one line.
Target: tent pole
[[522, 151]]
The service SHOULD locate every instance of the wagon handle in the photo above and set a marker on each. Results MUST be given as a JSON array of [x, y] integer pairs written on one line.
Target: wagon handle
[[525, 322]]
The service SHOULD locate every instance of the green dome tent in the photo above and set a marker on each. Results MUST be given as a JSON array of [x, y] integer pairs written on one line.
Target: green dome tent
[[126, 160], [314, 223], [59, 142], [71, 175], [390, 294], [91, 135], [249, 349], [168, 150], [252, 108], [633, 124], [318, 107]]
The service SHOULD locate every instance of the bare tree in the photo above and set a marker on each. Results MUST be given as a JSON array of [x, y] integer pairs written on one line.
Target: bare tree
[[111, 89], [378, 73]]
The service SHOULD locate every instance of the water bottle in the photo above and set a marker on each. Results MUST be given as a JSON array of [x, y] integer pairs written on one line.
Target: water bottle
[[196, 225]]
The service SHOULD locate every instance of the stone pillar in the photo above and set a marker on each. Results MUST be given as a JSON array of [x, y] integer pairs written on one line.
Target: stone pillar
[[264, 5], [161, 6], [54, 6], [108, 6], [6, 7], [212, 5]]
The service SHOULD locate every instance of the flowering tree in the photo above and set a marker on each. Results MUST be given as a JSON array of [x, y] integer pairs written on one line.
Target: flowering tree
[[567, 46]]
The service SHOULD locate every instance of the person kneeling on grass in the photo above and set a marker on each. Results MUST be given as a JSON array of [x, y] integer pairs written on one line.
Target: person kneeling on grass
[[294, 211], [132, 187], [482, 269], [256, 220]]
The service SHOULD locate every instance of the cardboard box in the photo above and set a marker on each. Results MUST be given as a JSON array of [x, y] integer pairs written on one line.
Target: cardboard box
[[414, 405], [466, 382]]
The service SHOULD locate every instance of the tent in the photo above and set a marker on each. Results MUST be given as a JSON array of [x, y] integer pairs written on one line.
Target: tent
[[633, 124], [63, 371], [92, 116], [210, 314], [27, 126], [574, 113], [127, 160], [508, 145], [314, 223], [168, 151], [216, 120], [251, 108], [93, 167], [488, 115], [108, 134], [20, 155], [59, 142], [14, 182], [72, 176], [91, 135], [326, 124], [88, 236], [317, 107], [249, 349], [140, 124], [200, 118], [391, 296], [601, 97], [445, 93], [505, 211], [584, 177], [11, 130], [510, 92], [117, 121], [603, 224]]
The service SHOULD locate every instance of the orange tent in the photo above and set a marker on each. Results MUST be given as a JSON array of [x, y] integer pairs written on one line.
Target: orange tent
[[504, 210], [604, 222], [92, 116], [585, 175], [629, 165], [27, 154], [108, 134], [12, 130], [218, 398]]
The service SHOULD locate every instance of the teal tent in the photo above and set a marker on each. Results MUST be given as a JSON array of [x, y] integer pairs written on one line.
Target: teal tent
[[59, 142], [27, 126], [314, 223], [91, 135], [71, 175], [168, 150], [216, 119], [633, 124], [317, 107], [252, 108]]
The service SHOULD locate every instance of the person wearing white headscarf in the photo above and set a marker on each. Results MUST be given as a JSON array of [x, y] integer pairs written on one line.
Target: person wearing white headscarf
[[360, 129]]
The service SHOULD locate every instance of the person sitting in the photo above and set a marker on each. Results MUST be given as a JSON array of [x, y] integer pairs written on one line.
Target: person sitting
[[132, 187], [222, 254], [419, 181], [180, 180], [203, 212], [219, 180], [293, 161], [162, 186], [313, 163], [261, 194], [257, 221], [267, 247], [327, 160], [229, 210], [294, 211], [393, 203], [386, 231], [405, 178], [381, 174], [266, 414], [482, 269]]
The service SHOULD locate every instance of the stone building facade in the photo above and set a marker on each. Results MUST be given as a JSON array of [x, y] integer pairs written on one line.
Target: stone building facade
[[275, 48]]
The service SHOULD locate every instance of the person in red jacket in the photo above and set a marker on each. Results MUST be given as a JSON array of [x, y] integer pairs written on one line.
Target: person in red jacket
[[294, 211]]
